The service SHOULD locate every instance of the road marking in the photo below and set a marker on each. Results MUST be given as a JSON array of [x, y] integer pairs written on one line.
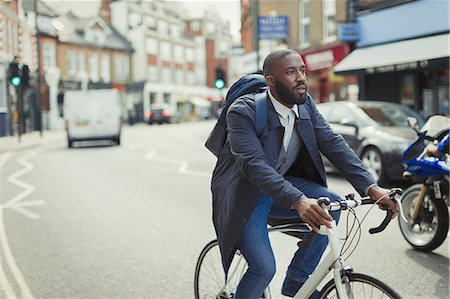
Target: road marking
[[3, 158], [16, 203], [6, 286], [25, 291], [182, 165]]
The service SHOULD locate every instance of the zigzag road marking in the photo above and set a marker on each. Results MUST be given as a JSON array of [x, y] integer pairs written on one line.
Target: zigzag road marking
[[16, 203], [182, 165]]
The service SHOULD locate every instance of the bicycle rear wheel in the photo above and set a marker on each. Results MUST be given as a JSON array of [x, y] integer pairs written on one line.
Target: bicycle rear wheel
[[360, 286], [209, 280]]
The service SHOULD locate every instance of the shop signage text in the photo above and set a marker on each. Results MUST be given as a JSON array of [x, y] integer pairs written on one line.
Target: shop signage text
[[320, 60], [273, 27], [414, 65]]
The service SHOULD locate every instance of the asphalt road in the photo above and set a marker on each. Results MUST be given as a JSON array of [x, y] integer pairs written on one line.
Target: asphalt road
[[101, 221]]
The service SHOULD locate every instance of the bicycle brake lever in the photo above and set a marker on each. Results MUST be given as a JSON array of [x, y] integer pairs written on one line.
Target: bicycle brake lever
[[383, 224], [398, 191]]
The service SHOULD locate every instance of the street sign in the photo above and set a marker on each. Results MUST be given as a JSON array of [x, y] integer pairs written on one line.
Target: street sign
[[348, 32], [273, 27]]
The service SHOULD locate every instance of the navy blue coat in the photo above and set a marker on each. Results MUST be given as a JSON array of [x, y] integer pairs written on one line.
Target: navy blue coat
[[245, 166]]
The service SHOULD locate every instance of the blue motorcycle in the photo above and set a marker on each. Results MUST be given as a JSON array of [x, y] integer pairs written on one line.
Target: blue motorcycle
[[425, 202]]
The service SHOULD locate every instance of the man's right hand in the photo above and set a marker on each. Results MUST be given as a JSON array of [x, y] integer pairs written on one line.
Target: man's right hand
[[311, 213]]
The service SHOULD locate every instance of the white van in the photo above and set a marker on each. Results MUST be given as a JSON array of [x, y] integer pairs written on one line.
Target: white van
[[92, 115]]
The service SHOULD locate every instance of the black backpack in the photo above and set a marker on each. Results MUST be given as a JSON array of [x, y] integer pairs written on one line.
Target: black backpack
[[248, 84]]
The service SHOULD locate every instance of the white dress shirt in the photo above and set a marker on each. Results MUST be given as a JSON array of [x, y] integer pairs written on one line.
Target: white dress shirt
[[287, 119]]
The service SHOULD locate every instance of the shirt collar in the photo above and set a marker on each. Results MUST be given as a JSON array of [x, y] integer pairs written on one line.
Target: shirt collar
[[282, 110]]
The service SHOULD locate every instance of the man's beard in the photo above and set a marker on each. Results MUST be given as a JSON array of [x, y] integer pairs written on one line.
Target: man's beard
[[289, 96]]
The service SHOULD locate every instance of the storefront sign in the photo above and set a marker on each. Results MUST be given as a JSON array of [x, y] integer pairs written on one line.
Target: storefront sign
[[273, 27], [407, 66], [348, 32], [319, 60]]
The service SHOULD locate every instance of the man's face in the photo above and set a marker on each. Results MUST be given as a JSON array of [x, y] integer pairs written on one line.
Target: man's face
[[288, 84]]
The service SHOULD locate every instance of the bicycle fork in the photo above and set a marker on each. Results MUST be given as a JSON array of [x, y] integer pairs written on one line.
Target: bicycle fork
[[419, 203]]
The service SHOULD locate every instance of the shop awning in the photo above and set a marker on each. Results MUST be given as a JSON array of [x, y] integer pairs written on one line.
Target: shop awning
[[199, 102], [396, 54]]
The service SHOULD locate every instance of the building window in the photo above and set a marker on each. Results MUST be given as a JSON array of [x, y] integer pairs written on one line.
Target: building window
[[121, 67], [48, 55], [175, 30], [190, 55], [166, 75], [93, 67], [178, 54], [190, 78], [151, 46], [80, 61], [166, 50], [105, 70], [152, 73], [163, 27], [150, 22], [71, 57], [329, 18], [179, 75], [305, 21], [195, 26]]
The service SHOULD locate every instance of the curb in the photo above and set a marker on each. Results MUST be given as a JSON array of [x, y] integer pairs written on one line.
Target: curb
[[28, 140]]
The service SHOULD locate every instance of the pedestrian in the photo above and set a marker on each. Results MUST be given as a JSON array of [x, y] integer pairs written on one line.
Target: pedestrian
[[280, 173]]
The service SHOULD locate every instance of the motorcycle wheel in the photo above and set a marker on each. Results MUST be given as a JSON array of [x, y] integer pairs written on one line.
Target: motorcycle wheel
[[431, 226]]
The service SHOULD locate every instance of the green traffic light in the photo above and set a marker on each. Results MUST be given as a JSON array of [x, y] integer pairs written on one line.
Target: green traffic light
[[219, 84], [15, 81]]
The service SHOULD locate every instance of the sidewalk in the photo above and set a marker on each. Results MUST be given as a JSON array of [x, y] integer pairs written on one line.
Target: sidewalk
[[28, 140]]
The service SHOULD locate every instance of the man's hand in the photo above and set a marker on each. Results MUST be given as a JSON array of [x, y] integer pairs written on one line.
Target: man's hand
[[311, 213], [377, 192]]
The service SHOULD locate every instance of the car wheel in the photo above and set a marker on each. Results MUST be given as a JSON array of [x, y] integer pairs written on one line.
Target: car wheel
[[373, 162]]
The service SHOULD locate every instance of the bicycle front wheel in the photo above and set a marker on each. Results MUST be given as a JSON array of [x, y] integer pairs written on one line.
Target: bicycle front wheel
[[209, 280], [360, 286]]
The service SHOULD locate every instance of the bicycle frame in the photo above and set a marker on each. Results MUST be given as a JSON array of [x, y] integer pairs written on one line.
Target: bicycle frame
[[333, 261]]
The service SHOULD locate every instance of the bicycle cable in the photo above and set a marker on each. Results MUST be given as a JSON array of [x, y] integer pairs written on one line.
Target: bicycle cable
[[346, 247]]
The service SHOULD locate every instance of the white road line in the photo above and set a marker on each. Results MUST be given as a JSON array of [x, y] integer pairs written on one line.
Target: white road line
[[13, 178], [6, 286], [25, 291], [182, 165], [3, 158]]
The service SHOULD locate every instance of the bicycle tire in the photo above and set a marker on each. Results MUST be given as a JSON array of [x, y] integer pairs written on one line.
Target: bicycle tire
[[209, 279], [362, 286], [434, 230]]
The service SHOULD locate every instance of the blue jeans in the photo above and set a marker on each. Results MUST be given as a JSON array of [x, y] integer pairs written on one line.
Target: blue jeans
[[255, 246]]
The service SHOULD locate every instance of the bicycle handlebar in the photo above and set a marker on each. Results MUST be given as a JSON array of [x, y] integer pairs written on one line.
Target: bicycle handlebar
[[351, 201]]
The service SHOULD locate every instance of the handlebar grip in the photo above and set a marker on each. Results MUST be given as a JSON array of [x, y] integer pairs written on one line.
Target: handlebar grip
[[383, 224]]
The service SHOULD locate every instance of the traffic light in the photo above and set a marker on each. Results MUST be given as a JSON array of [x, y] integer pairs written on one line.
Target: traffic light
[[219, 83], [25, 76], [14, 74]]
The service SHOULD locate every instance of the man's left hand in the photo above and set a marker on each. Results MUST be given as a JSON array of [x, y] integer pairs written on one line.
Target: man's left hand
[[376, 192]]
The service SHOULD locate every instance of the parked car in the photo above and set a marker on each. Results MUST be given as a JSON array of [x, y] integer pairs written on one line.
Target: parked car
[[377, 132], [160, 113]]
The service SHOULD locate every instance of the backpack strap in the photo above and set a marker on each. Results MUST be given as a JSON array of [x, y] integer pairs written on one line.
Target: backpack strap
[[261, 112]]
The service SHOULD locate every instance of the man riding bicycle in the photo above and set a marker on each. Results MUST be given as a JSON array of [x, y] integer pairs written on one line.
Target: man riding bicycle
[[281, 173]]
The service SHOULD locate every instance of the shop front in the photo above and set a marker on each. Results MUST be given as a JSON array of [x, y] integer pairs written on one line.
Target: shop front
[[323, 84], [414, 73]]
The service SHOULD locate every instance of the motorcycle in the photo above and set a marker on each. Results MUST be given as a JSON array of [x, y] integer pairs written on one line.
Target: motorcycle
[[425, 202]]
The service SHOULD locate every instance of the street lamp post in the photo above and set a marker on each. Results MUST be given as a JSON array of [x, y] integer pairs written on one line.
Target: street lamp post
[[37, 91]]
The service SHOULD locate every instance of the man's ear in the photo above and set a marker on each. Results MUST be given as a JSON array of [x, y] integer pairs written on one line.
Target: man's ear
[[270, 80]]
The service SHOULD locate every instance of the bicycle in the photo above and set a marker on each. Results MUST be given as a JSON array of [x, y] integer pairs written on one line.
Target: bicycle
[[210, 281]]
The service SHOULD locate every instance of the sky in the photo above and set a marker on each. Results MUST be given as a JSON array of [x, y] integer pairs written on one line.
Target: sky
[[227, 9]]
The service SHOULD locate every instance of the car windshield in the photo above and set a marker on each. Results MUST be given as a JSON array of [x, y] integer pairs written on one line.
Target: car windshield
[[390, 115]]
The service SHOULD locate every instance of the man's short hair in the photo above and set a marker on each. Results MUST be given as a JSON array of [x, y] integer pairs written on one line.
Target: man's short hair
[[274, 57]]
